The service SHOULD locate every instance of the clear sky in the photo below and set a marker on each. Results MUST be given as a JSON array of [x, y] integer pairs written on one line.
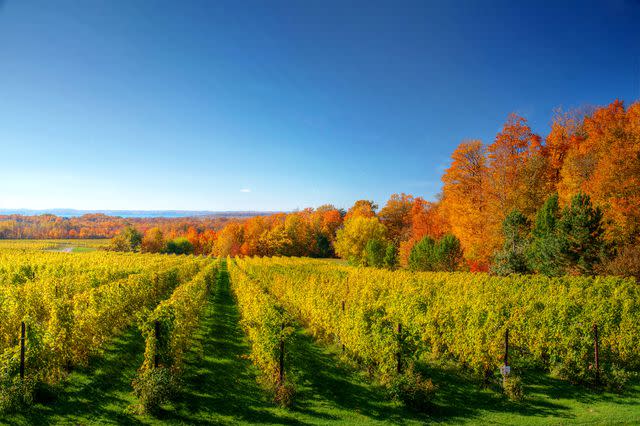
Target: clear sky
[[268, 105]]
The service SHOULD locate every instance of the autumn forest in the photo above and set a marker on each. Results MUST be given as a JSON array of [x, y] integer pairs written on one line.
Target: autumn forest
[[565, 202]]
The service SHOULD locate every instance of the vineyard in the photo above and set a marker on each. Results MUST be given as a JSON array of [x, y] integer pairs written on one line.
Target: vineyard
[[387, 319], [104, 337], [585, 331], [67, 307]]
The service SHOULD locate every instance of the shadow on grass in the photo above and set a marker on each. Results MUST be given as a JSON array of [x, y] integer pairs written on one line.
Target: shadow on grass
[[321, 376], [220, 383], [97, 394], [461, 397]]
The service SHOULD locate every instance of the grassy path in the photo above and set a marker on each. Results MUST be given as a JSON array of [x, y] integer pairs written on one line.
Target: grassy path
[[221, 387], [219, 384]]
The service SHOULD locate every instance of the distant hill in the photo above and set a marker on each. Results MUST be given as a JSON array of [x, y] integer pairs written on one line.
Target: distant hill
[[135, 213]]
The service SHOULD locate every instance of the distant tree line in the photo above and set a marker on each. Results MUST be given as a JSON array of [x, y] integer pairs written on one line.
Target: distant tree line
[[97, 225]]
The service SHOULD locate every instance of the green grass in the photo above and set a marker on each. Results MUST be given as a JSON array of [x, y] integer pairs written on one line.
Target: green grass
[[548, 401], [99, 394], [82, 249], [220, 388]]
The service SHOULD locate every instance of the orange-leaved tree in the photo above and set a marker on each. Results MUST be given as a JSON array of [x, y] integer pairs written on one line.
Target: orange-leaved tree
[[464, 203]]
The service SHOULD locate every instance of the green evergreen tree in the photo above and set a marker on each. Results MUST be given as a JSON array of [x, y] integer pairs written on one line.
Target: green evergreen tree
[[375, 253], [581, 230], [324, 246], [512, 258], [391, 257], [430, 255], [545, 253], [449, 253], [423, 255]]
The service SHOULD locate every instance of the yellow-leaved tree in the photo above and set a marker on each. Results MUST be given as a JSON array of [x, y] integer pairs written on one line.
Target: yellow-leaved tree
[[352, 239]]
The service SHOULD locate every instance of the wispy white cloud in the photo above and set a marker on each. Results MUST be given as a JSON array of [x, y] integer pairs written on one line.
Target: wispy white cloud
[[245, 190]]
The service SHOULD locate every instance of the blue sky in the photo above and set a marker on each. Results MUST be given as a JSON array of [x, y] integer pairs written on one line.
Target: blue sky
[[241, 105]]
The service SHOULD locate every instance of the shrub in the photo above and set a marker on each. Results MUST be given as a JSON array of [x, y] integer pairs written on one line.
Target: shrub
[[512, 387], [153, 387], [179, 246], [129, 239], [429, 255], [15, 393], [119, 243], [412, 389], [284, 394], [153, 241], [613, 377], [616, 378]]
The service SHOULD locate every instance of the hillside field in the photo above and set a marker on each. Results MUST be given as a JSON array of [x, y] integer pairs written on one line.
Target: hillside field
[[98, 321]]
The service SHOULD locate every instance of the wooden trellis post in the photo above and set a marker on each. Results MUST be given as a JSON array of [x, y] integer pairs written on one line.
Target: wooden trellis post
[[343, 307], [399, 365], [156, 357], [281, 366], [22, 342], [506, 348], [596, 352], [506, 370]]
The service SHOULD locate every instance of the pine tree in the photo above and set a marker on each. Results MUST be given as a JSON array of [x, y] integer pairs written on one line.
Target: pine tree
[[391, 257], [449, 253], [375, 251], [581, 229], [443, 255], [512, 258], [544, 254], [423, 255]]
